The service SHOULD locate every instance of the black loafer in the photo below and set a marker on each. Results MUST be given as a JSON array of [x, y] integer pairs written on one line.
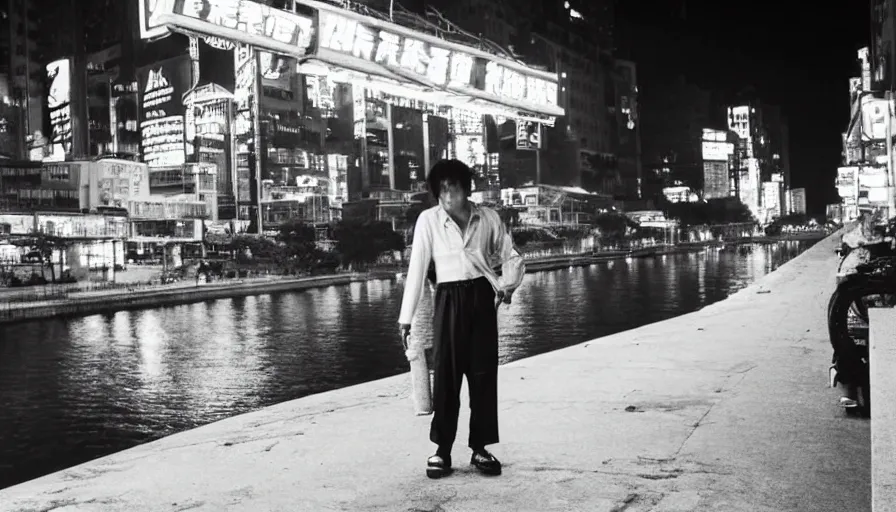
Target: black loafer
[[486, 463], [438, 466]]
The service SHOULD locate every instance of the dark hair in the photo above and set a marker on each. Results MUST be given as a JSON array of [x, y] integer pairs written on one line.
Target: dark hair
[[451, 172]]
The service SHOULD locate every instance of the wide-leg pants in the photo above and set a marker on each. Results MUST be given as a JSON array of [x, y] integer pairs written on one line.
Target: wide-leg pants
[[465, 342]]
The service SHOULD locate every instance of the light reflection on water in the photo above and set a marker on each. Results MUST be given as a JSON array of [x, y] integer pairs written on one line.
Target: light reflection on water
[[72, 390]]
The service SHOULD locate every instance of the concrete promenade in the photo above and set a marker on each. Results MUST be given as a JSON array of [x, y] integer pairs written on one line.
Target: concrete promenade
[[726, 409]]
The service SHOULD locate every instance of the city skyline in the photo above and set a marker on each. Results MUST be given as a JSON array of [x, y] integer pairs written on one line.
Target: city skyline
[[800, 60]]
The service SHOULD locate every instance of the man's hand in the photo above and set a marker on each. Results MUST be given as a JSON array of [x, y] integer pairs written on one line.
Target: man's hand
[[503, 296], [404, 331]]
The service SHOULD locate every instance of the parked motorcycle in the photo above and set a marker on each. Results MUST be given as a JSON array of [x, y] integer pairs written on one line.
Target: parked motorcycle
[[866, 278], [864, 244]]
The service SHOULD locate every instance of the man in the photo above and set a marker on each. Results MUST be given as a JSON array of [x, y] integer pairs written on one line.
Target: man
[[466, 242]]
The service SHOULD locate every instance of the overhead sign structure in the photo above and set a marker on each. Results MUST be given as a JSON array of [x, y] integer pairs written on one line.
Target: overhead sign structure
[[384, 49], [413, 63], [242, 21]]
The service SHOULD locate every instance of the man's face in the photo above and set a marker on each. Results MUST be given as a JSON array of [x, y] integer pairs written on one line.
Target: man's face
[[452, 197]]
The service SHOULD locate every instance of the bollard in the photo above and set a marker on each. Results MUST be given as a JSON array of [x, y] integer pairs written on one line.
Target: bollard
[[882, 360]]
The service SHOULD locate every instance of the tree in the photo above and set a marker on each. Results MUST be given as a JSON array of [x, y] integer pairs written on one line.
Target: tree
[[250, 247], [46, 245], [613, 228], [361, 243], [713, 211], [299, 244]]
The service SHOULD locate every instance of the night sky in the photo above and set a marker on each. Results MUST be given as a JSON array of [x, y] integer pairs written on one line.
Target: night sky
[[797, 55]]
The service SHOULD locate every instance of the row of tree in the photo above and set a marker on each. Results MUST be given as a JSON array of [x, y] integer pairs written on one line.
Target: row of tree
[[296, 248]]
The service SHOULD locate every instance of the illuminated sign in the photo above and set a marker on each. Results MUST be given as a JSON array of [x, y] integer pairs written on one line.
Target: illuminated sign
[[350, 37], [19, 224], [120, 181], [874, 116], [150, 26], [225, 21], [716, 183], [528, 135], [162, 112], [847, 178], [865, 58], [432, 63], [715, 135], [59, 104], [219, 43], [739, 121], [717, 150], [873, 177]]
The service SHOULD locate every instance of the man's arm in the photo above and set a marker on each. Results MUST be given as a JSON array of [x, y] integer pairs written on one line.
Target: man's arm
[[421, 255], [513, 267]]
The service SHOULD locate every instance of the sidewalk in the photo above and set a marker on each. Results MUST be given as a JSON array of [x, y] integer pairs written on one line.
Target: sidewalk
[[726, 409]]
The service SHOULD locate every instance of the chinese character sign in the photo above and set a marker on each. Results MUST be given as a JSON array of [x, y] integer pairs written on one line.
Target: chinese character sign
[[431, 62]]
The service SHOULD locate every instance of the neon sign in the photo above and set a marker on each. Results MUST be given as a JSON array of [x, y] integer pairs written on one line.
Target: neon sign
[[439, 66], [162, 126], [252, 18]]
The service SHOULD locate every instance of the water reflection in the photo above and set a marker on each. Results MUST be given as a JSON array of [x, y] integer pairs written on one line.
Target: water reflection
[[72, 390]]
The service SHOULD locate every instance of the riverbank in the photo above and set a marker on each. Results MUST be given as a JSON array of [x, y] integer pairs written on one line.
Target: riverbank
[[101, 301], [723, 409], [88, 302]]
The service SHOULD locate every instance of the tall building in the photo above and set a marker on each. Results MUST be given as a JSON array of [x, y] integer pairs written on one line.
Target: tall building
[[673, 116], [582, 33], [798, 200], [628, 128], [575, 40], [21, 77], [763, 149], [863, 180]]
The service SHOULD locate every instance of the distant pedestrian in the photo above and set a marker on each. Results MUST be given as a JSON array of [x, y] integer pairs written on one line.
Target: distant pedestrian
[[466, 242]]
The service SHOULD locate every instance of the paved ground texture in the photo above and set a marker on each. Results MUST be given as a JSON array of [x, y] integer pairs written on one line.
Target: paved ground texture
[[726, 409]]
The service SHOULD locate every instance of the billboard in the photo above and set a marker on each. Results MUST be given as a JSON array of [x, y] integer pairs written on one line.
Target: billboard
[[717, 151], [19, 224], [716, 182], [380, 48], [528, 135], [874, 119], [244, 122], [59, 76], [873, 182], [117, 182], [150, 26], [162, 86], [847, 178], [242, 21], [739, 121]]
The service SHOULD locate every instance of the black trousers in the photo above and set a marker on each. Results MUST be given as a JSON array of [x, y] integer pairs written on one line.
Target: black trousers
[[465, 330]]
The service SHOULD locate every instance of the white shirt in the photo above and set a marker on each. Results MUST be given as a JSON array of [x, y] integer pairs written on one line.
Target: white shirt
[[460, 256]]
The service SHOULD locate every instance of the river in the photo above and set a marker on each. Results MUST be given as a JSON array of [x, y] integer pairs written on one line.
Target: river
[[72, 390]]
